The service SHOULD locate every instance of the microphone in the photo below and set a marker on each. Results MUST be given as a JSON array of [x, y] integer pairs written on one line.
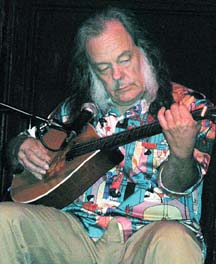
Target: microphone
[[88, 111]]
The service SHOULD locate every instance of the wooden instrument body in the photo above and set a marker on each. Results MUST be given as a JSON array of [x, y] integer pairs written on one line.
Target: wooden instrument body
[[65, 180]]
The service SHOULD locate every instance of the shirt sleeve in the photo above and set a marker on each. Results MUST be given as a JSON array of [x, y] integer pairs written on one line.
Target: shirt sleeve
[[205, 138]]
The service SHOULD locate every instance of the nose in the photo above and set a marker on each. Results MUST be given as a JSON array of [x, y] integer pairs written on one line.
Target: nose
[[117, 72]]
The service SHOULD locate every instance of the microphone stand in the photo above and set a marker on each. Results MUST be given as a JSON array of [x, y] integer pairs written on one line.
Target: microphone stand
[[49, 122], [88, 111]]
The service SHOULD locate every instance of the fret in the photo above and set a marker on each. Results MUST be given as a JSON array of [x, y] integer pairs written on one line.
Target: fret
[[128, 136]]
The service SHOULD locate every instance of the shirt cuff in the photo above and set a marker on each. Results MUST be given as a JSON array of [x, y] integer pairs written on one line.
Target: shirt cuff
[[186, 192]]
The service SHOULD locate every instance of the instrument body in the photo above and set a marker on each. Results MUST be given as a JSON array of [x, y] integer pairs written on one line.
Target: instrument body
[[65, 180], [81, 163]]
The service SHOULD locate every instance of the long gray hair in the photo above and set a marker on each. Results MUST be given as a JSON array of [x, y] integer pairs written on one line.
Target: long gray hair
[[157, 82]]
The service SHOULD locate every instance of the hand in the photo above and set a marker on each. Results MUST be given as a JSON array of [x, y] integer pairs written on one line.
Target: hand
[[34, 157], [180, 129]]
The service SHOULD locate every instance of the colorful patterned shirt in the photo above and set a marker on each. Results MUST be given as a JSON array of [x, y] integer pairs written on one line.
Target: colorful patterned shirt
[[129, 191]]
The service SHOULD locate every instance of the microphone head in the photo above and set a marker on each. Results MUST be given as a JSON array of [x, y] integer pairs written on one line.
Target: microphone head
[[87, 112], [90, 107]]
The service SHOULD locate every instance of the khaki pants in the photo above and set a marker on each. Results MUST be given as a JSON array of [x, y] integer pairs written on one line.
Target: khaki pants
[[43, 235]]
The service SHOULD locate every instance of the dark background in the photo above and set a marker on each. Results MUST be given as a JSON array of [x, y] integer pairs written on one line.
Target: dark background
[[36, 37]]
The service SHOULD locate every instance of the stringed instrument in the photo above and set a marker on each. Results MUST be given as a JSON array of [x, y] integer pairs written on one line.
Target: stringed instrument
[[80, 163]]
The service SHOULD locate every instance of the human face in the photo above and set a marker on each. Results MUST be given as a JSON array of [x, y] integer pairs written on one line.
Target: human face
[[118, 63]]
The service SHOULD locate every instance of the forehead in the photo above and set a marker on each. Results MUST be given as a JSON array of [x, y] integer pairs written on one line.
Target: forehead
[[111, 43]]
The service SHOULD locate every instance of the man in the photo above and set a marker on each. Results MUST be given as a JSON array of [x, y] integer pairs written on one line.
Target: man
[[147, 208]]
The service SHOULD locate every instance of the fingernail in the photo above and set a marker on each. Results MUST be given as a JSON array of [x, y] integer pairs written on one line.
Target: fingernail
[[46, 166], [42, 172], [38, 176]]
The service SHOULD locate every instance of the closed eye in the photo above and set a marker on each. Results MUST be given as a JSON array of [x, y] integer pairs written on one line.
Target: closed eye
[[102, 68], [125, 59]]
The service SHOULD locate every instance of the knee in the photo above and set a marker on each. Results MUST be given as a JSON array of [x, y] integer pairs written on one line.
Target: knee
[[169, 229], [172, 233], [176, 242]]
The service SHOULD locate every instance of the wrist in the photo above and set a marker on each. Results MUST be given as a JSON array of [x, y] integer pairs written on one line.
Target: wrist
[[13, 149], [176, 174], [175, 192]]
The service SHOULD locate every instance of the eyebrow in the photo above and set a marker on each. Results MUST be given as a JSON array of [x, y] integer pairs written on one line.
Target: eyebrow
[[125, 53]]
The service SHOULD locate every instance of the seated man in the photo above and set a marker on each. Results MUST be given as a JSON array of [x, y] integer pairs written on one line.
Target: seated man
[[147, 208]]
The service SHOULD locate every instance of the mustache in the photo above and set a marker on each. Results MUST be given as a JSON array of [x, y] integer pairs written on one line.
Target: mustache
[[117, 84]]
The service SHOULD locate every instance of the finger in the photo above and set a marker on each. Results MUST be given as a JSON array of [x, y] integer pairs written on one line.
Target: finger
[[39, 157], [169, 119], [185, 113], [32, 144], [176, 115], [37, 175], [161, 118], [40, 151], [187, 119], [32, 163], [31, 168]]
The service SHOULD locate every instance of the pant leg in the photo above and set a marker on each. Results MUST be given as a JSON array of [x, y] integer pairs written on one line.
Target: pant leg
[[164, 242], [109, 246], [42, 235]]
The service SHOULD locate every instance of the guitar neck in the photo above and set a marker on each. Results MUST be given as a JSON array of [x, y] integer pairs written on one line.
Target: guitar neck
[[125, 137], [116, 140]]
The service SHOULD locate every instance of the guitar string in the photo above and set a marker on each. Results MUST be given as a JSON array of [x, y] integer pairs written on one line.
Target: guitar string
[[127, 136]]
